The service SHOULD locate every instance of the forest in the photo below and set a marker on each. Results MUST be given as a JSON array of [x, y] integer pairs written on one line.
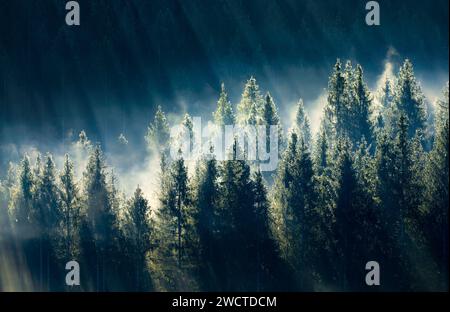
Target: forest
[[371, 185]]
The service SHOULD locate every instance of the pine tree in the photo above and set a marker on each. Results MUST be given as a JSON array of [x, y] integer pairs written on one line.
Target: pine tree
[[297, 220], [325, 185], [142, 238], [70, 208], [302, 203], [101, 224], [24, 196], [384, 110], [270, 118], [116, 199], [418, 160], [267, 260], [8, 242], [348, 109], [335, 111], [9, 187], [206, 201], [83, 140], [356, 228], [398, 201], [47, 198], [362, 109], [302, 125], [189, 127], [236, 232], [405, 174], [348, 221], [158, 133], [38, 168], [281, 197], [97, 195], [180, 184], [22, 201], [321, 152], [387, 95], [370, 223], [47, 218], [23, 225], [224, 113], [165, 228], [409, 100], [176, 228], [365, 168], [436, 196], [442, 111], [349, 117], [249, 109]]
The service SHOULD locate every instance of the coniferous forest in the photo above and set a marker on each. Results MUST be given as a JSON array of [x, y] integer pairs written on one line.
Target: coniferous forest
[[371, 185]]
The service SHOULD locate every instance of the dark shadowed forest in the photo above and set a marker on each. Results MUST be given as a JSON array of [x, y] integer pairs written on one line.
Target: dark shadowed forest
[[370, 185]]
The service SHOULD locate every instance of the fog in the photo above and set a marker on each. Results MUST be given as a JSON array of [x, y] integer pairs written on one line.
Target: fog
[[134, 162]]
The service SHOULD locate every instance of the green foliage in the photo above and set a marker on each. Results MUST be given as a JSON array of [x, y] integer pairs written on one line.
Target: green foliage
[[302, 124], [359, 192], [158, 133], [349, 107], [207, 201], [176, 251], [436, 202], [70, 208], [224, 113], [249, 109], [409, 100], [141, 239]]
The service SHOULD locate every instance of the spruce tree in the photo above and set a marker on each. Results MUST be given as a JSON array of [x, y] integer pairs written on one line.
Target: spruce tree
[[270, 119], [101, 226], [334, 111], [24, 196], [356, 228], [268, 274], [158, 133], [142, 239], [236, 224], [398, 202], [362, 109], [70, 208], [224, 113], [206, 201], [386, 95], [47, 219], [176, 250], [303, 205], [24, 231], [302, 125], [249, 109], [321, 152], [409, 100], [436, 197], [346, 212], [8, 242], [297, 220]]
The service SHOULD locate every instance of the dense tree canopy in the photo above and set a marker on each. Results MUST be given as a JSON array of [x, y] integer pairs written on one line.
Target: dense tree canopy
[[371, 185]]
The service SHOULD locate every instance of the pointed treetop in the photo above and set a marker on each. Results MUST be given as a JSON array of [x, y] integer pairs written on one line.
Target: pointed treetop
[[158, 132], [224, 113], [250, 106], [338, 65], [302, 125], [409, 98]]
